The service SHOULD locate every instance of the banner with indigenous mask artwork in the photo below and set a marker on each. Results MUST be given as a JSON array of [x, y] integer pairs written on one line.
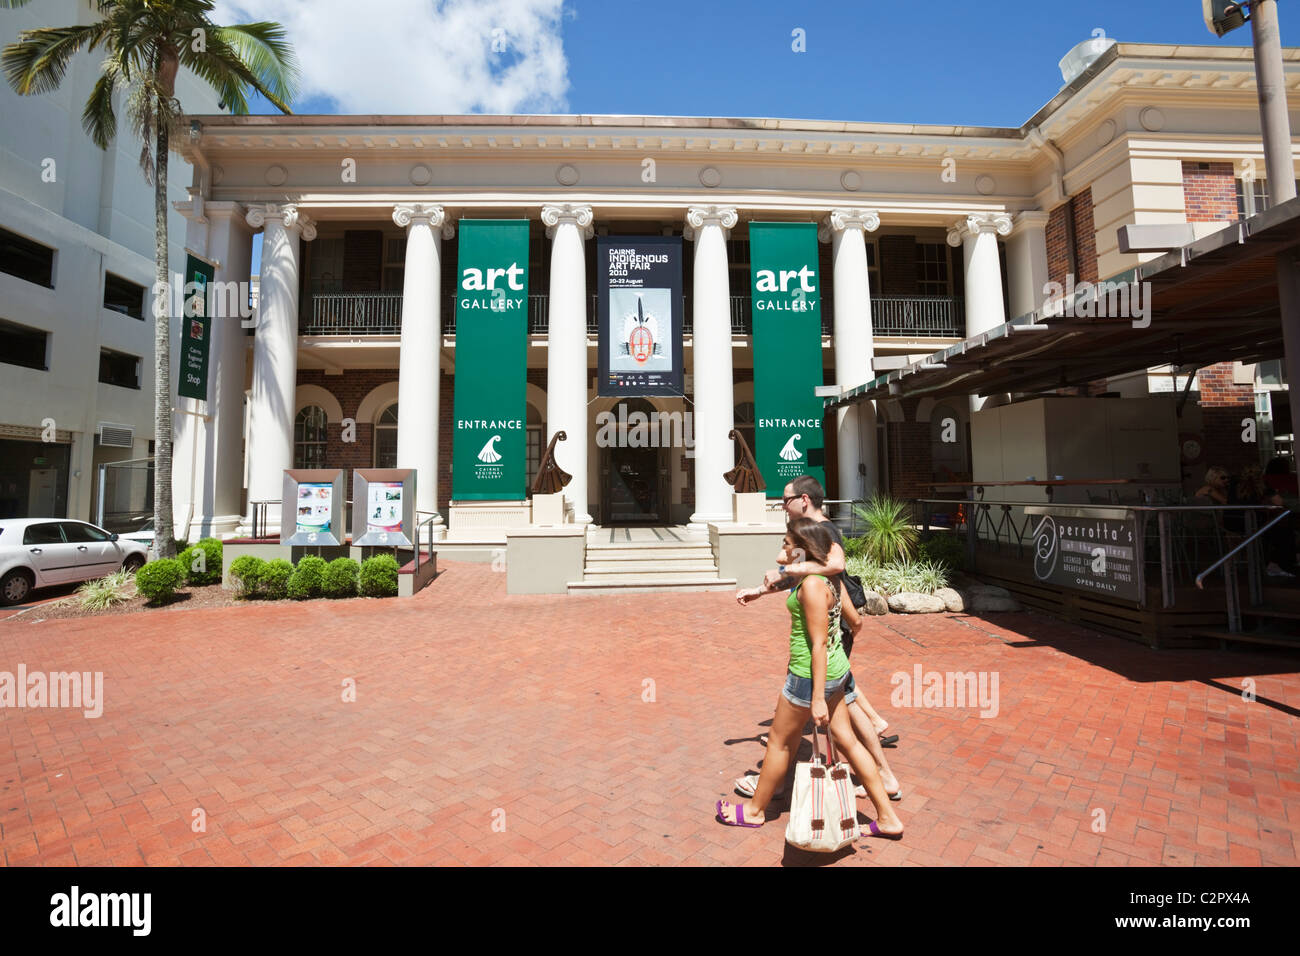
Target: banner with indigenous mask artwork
[[639, 310], [489, 443], [787, 341]]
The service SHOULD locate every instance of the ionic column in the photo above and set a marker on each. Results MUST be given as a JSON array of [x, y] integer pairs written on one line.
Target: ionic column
[[566, 347], [1027, 261], [714, 408], [420, 371], [855, 425], [275, 354], [977, 235]]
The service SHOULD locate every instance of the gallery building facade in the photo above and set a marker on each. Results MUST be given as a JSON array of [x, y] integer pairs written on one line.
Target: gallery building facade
[[924, 236]]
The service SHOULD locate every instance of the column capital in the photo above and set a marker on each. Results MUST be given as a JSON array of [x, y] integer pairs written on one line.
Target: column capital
[[978, 224], [697, 217], [557, 214], [286, 213], [406, 213], [1029, 219], [837, 220]]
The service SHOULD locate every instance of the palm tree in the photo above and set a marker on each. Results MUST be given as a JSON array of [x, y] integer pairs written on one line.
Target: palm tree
[[145, 43]]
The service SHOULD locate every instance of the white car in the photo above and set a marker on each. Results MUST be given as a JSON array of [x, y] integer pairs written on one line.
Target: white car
[[143, 535], [41, 552]]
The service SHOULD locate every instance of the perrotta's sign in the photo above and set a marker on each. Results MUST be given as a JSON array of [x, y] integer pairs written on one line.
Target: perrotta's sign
[[1096, 552]]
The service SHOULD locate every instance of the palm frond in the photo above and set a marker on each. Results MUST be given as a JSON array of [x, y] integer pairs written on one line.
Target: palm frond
[[221, 70], [13, 4], [38, 60], [98, 119], [265, 52]]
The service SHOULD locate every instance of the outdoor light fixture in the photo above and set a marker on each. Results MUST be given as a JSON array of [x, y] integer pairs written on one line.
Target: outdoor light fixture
[[828, 391], [1222, 16]]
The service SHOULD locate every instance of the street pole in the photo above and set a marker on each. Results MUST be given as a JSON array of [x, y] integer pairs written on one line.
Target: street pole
[[1275, 125]]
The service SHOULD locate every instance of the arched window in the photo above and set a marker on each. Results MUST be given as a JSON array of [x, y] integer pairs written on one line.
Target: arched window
[[386, 438], [309, 438]]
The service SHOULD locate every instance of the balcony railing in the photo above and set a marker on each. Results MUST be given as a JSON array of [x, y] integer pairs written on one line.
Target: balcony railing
[[920, 315], [353, 313], [380, 313]]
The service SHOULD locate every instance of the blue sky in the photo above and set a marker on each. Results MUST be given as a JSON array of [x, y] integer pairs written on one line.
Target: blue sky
[[912, 62], [940, 62]]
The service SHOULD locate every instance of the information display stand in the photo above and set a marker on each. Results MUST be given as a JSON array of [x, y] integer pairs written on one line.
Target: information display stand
[[383, 507], [311, 510]]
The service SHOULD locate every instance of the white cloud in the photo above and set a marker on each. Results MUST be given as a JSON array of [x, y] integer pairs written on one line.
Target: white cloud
[[422, 56]]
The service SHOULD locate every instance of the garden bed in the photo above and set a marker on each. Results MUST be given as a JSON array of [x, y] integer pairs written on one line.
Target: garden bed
[[210, 595]]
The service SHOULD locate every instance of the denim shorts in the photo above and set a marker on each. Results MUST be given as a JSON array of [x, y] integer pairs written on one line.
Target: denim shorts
[[798, 690]]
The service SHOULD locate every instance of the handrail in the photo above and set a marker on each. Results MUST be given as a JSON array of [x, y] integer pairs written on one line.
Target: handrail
[[418, 528], [1200, 578]]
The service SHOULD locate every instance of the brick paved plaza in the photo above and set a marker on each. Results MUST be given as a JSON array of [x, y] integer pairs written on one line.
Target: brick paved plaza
[[474, 708]]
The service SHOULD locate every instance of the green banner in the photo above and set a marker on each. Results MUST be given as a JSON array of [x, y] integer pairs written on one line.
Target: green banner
[[489, 445], [787, 352], [196, 330]]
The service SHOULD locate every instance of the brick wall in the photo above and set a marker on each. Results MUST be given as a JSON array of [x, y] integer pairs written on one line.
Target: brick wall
[[911, 469], [1223, 407], [1058, 244], [1085, 234], [1209, 192], [1079, 208]]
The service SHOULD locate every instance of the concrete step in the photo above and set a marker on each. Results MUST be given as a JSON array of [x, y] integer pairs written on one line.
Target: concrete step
[[648, 566], [590, 576], [665, 586], [633, 553]]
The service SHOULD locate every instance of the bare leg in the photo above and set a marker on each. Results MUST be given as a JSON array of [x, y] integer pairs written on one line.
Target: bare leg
[[782, 739], [878, 722], [862, 764], [866, 733]]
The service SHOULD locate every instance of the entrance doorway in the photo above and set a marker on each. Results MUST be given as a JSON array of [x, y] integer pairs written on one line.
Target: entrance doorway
[[633, 479]]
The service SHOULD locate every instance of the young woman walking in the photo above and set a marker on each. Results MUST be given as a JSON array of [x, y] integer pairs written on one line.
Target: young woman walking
[[816, 682]]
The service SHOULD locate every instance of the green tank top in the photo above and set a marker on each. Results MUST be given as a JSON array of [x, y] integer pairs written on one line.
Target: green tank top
[[837, 662]]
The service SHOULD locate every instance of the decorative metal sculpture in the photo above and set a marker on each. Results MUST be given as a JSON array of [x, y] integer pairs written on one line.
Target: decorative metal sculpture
[[745, 477], [550, 477]]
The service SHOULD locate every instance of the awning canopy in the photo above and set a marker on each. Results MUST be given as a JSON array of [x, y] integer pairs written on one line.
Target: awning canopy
[[1215, 300]]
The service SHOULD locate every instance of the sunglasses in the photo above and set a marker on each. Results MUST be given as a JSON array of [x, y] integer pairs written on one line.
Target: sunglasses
[[789, 498]]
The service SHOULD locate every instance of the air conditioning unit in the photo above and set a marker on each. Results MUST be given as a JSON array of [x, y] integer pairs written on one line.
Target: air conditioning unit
[[115, 436]]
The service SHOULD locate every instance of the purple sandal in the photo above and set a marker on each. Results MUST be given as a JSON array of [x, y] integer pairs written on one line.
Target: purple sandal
[[740, 815], [877, 832]]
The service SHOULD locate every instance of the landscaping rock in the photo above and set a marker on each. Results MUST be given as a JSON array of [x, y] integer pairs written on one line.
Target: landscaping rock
[[989, 590], [876, 604], [909, 602], [993, 602], [953, 600]]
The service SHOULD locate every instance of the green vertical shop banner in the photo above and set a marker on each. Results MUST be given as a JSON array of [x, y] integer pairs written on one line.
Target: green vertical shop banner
[[196, 330], [488, 441], [787, 352]]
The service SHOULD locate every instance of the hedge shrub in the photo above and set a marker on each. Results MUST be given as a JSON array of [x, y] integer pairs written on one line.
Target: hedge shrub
[[158, 580], [275, 579], [378, 576], [308, 579], [210, 548], [948, 550], [341, 578], [246, 571]]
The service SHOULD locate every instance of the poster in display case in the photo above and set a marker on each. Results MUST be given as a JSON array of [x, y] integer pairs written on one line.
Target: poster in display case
[[311, 507], [383, 507]]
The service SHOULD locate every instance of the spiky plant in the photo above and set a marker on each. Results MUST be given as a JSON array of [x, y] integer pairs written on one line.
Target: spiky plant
[[145, 43], [890, 536]]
